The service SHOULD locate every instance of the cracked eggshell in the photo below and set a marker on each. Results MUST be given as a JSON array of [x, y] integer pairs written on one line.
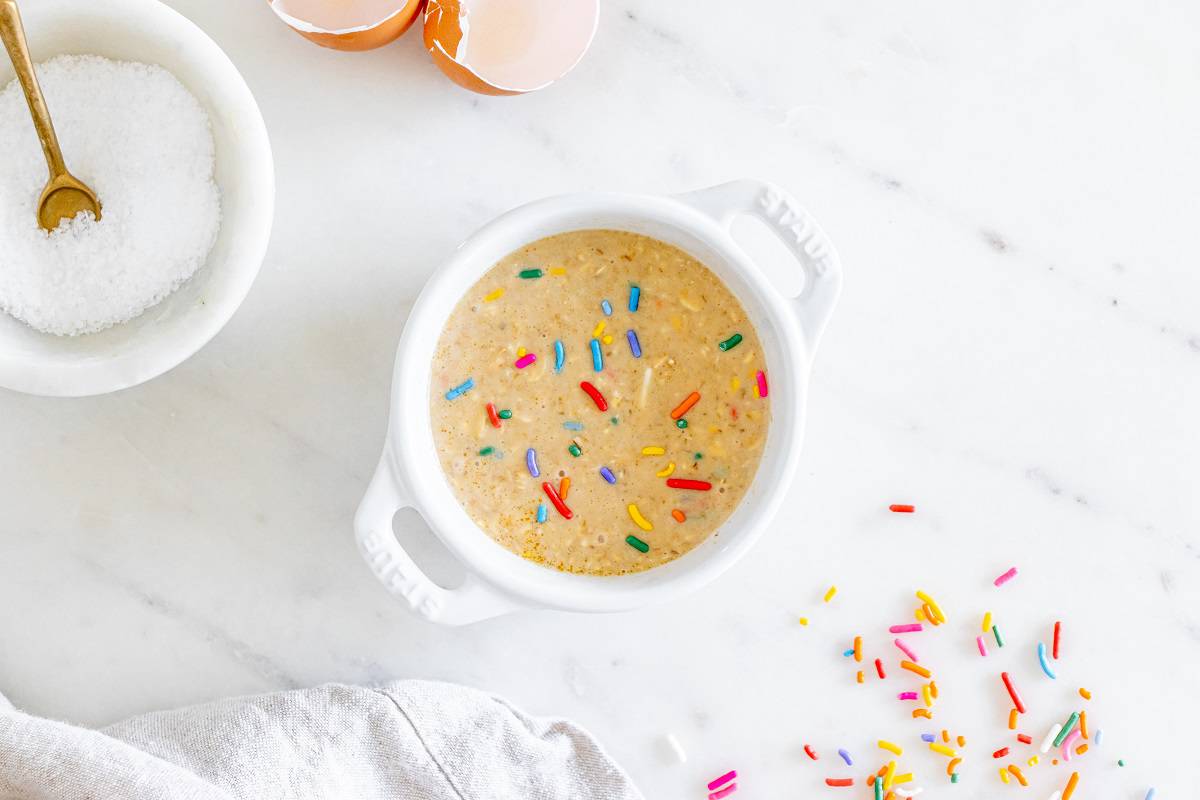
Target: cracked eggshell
[[348, 24], [507, 47]]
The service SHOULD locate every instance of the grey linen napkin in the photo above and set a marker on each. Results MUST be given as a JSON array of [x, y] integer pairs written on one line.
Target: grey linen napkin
[[416, 740]]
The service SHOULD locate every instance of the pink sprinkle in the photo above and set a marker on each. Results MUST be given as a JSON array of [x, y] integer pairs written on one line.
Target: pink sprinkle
[[761, 377], [717, 783], [524, 361], [1069, 743], [912, 627], [907, 696], [728, 790], [1006, 577], [981, 645], [904, 649]]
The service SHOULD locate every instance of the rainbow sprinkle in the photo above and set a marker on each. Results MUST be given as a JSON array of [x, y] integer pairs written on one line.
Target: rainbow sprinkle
[[636, 543], [524, 361], [461, 389], [635, 294], [606, 307], [529, 273], [560, 355], [635, 347], [597, 356], [531, 462], [608, 475], [1006, 577]]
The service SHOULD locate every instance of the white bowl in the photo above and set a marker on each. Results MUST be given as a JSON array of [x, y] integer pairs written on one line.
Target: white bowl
[[170, 332], [410, 475]]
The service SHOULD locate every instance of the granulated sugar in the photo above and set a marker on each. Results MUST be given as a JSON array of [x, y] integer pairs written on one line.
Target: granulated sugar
[[136, 136]]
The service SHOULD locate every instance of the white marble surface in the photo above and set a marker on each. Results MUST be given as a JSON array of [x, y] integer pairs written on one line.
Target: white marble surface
[[1013, 190]]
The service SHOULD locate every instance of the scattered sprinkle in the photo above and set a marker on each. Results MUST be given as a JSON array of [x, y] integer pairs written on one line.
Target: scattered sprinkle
[[638, 519], [686, 405], [1072, 782], [606, 307], [487, 451], [684, 483], [571, 425], [912, 627], [904, 648], [1051, 736], [840, 782], [607, 474], [1054, 648], [846, 757], [531, 462], [653, 450], [635, 346], [557, 501], [987, 622], [829, 593], [1006, 577], [1012, 692], [524, 361], [461, 389], [529, 273], [879, 669], [495, 294], [564, 486], [541, 512], [900, 508], [891, 748], [980, 644], [665, 471], [681, 517], [505, 413], [1067, 727], [681, 423], [1041, 654], [731, 342], [597, 356], [717, 783], [723, 793], [493, 417], [916, 668], [999, 638], [594, 393], [635, 294], [808, 750], [761, 379], [636, 543], [574, 450], [560, 355]]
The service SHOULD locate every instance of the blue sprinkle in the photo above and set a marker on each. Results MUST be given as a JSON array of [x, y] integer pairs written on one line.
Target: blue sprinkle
[[635, 294], [1099, 736], [597, 358], [461, 389], [634, 344], [560, 355], [928, 737], [849, 652], [573, 426], [1150, 794], [606, 307], [607, 474], [531, 462], [1041, 651], [541, 517], [846, 757]]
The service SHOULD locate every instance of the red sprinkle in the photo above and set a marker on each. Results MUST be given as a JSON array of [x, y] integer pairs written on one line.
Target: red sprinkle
[[1001, 753], [1023, 739], [1054, 650], [557, 501], [1012, 692], [879, 668], [492, 416], [901, 509], [685, 483], [810, 752], [594, 393], [839, 781]]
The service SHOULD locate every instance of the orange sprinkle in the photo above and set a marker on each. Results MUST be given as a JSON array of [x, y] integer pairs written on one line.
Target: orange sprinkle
[[1083, 748], [859, 677], [933, 690], [564, 486], [917, 668], [858, 649], [686, 405], [954, 762], [1012, 719], [1084, 693], [945, 735], [678, 515], [921, 712], [929, 615], [1072, 782], [962, 741], [1083, 730], [1016, 771]]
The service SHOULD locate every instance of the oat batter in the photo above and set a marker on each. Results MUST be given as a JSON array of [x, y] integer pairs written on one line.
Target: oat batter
[[647, 329]]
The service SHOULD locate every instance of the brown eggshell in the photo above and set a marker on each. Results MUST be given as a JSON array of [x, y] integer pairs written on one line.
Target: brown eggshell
[[442, 35], [368, 38]]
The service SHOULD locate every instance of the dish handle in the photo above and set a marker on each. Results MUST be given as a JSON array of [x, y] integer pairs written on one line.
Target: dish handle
[[473, 601], [798, 231]]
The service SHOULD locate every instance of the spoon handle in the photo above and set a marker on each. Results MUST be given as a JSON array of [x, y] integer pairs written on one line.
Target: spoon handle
[[13, 35]]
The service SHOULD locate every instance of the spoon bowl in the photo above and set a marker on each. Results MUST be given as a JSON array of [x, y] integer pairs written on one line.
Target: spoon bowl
[[64, 197]]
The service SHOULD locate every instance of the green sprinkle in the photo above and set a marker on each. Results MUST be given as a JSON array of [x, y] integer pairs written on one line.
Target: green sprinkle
[[529, 273], [637, 544], [681, 423], [614, 420], [878, 787], [954, 777], [487, 451], [574, 450], [698, 456], [731, 342], [1120, 762], [1068, 726], [505, 414], [996, 633]]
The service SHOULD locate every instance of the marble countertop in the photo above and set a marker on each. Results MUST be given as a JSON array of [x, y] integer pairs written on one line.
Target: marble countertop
[[1013, 193]]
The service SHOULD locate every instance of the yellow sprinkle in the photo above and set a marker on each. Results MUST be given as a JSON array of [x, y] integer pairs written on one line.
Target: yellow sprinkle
[[495, 294], [919, 614], [987, 622], [830, 593], [665, 471], [859, 677], [1033, 761], [804, 620], [1084, 693], [905, 778], [734, 383], [653, 451], [557, 271], [638, 519], [607, 339], [1004, 774], [521, 351], [926, 696], [889, 776], [937, 747], [676, 322], [933, 606], [599, 329], [891, 748]]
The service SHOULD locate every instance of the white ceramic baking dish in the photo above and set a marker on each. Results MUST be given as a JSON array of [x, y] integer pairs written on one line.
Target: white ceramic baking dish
[[410, 475]]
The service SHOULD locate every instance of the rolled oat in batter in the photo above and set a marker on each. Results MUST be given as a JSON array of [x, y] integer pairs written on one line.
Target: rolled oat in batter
[[599, 402]]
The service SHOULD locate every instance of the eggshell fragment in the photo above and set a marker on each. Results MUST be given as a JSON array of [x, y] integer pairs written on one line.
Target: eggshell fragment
[[348, 24], [506, 47]]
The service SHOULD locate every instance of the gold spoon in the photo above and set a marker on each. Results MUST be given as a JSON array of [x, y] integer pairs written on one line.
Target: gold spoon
[[64, 195]]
